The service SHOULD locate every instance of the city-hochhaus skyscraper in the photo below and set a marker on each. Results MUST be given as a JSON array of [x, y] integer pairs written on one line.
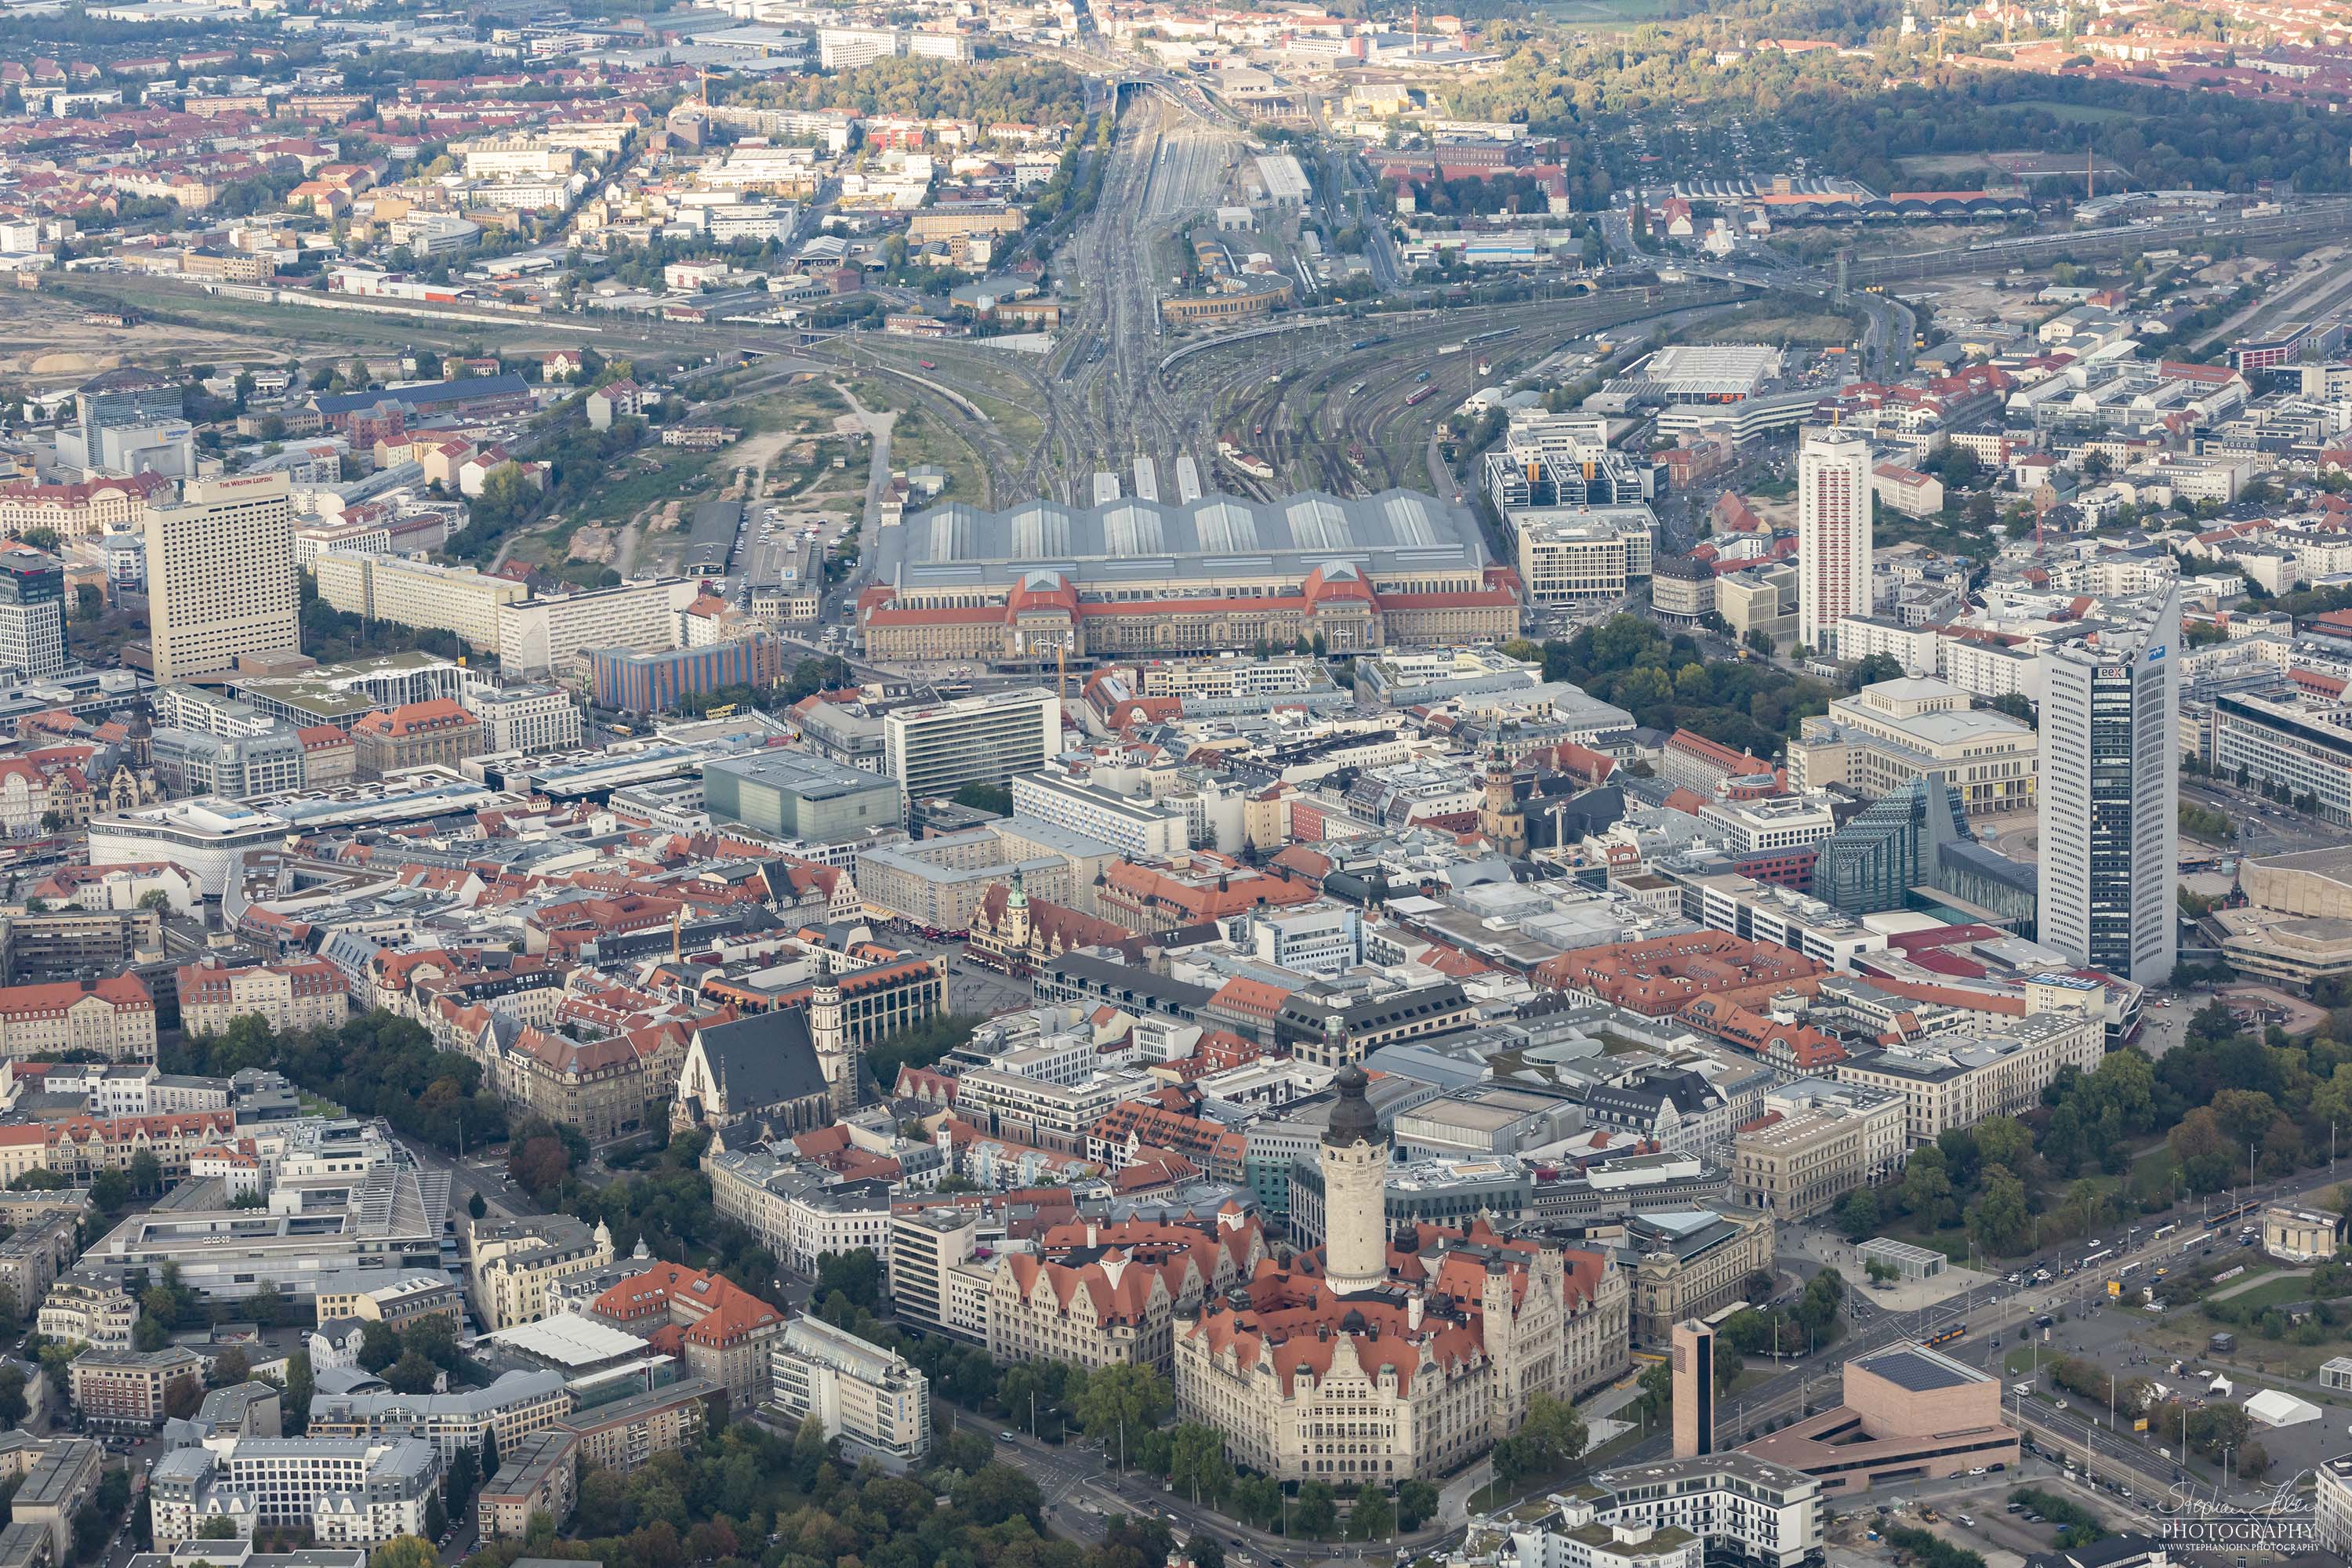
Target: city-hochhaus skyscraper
[[2111, 794], [1832, 534]]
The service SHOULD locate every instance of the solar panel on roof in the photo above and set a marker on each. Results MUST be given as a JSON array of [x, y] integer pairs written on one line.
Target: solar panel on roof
[[1916, 1370]]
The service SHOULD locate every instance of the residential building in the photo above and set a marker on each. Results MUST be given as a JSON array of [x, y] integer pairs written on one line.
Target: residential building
[[220, 575], [869, 1398], [60, 1481], [514, 1405], [622, 1435], [90, 1310], [418, 593], [2110, 795], [540, 1475], [1833, 534], [288, 996], [343, 1491], [125, 1389]]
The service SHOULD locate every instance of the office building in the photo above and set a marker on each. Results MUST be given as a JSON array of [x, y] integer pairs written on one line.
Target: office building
[[1956, 1081], [326, 1228], [532, 719], [1892, 732], [1570, 555], [869, 1397], [32, 614], [927, 1246], [220, 575], [2111, 794], [634, 682], [1878, 857], [124, 399], [798, 795], [513, 1265], [936, 749], [1832, 534], [1694, 1387]]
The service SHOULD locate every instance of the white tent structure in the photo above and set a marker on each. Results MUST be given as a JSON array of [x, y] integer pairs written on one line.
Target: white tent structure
[[2275, 1407]]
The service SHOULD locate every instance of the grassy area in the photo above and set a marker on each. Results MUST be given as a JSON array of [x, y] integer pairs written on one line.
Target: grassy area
[[649, 475], [918, 440], [1605, 12], [809, 408], [2273, 1293], [1814, 330], [1021, 428]]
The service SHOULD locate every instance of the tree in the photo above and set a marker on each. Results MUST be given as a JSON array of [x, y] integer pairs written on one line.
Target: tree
[[2004, 1141], [110, 1190], [1926, 1187], [404, 1552], [476, 1207], [1416, 1503], [1115, 1402], [1729, 1364], [1657, 1386], [149, 1334], [1204, 1551], [855, 1274], [1757, 1288], [997, 1492], [1316, 1510], [146, 1174], [379, 1346], [300, 1387], [412, 1374], [230, 1368], [1197, 1462], [219, 1527], [1373, 1517], [1858, 1215], [461, 1478], [12, 1405], [1996, 1221]]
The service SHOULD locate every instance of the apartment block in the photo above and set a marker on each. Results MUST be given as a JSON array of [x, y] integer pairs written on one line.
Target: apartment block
[[538, 1475]]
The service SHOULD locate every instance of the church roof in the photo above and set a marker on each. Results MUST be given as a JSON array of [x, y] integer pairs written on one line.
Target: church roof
[[765, 1059]]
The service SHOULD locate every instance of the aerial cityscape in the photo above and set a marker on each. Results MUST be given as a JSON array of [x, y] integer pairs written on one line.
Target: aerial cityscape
[[1116, 785]]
